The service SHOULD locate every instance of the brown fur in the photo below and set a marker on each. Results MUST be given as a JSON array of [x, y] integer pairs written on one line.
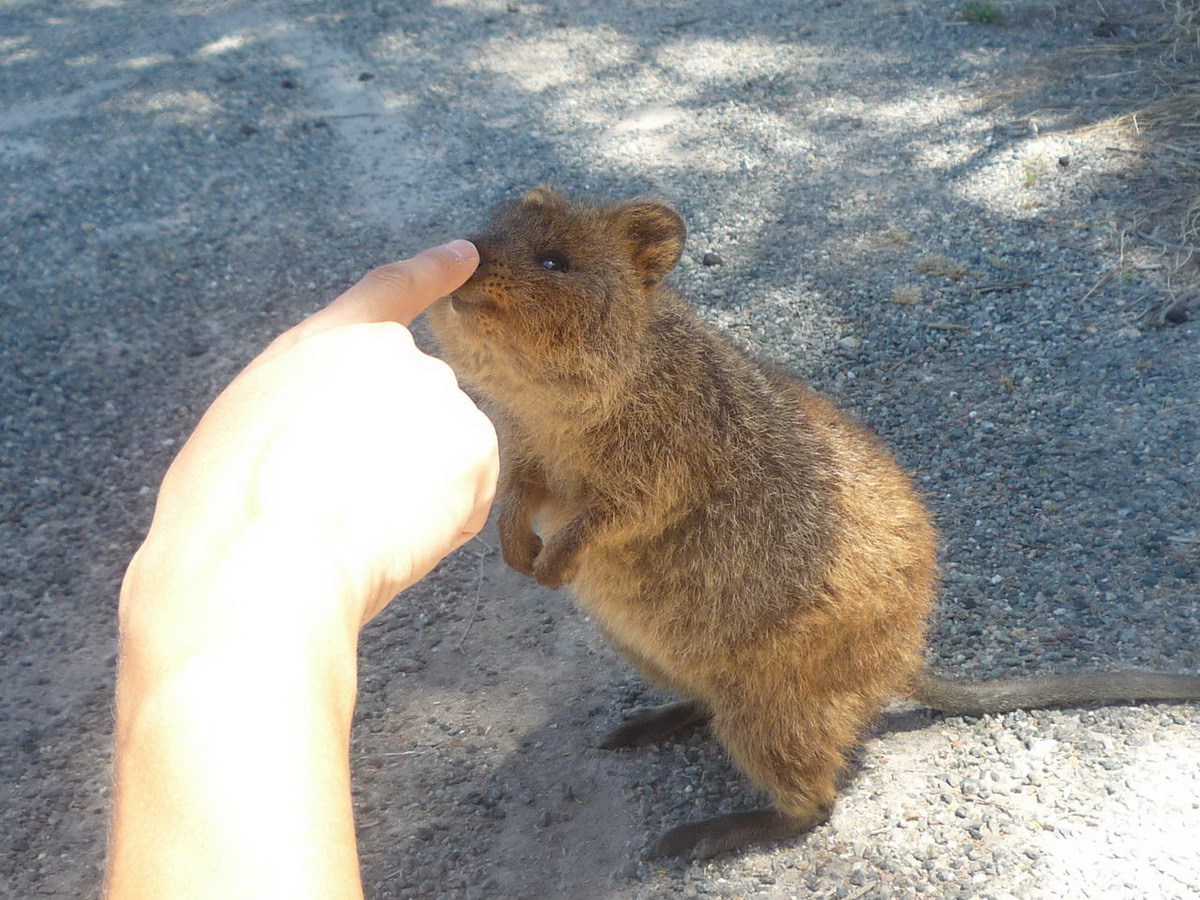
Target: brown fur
[[736, 536]]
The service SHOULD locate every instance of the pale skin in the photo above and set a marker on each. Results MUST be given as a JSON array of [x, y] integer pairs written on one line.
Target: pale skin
[[334, 472]]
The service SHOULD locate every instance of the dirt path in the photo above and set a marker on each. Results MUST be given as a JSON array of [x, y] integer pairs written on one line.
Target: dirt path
[[936, 217]]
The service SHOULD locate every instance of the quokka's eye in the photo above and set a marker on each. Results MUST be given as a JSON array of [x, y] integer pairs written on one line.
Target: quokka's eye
[[554, 261]]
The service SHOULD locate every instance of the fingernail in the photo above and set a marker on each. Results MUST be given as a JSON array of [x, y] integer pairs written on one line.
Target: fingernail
[[464, 250]]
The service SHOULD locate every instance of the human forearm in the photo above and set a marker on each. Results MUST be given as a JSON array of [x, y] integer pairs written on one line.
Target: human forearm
[[232, 735]]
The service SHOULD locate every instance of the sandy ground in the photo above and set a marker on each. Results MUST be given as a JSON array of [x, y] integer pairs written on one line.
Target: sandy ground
[[926, 215]]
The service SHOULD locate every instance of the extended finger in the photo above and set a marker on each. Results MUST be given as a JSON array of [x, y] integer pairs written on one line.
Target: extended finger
[[399, 292], [396, 292]]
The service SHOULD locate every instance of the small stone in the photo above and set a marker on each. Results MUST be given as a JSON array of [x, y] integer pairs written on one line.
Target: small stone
[[1177, 314], [712, 259], [1064, 161], [247, 129], [1043, 747], [365, 76]]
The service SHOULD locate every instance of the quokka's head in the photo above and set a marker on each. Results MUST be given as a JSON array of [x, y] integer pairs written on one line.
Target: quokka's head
[[561, 283]]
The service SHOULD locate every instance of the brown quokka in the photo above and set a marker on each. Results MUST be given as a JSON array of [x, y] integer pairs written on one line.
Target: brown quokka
[[743, 542]]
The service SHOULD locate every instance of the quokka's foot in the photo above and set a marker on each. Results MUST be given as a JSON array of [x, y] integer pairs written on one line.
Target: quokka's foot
[[653, 723], [709, 837]]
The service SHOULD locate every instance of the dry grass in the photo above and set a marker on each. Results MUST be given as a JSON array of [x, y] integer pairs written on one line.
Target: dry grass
[[1172, 62], [1166, 118], [1184, 29], [907, 294], [941, 266]]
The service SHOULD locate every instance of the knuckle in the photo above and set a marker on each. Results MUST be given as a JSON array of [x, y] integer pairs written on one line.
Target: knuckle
[[396, 275], [439, 372], [392, 334]]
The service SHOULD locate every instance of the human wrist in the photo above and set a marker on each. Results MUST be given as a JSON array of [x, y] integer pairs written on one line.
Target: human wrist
[[254, 590], [251, 642]]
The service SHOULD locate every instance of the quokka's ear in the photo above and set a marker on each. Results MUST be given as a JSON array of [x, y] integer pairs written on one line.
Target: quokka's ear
[[655, 233], [543, 195]]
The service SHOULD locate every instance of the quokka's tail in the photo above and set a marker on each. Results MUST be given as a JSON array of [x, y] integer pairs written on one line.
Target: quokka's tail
[[973, 698]]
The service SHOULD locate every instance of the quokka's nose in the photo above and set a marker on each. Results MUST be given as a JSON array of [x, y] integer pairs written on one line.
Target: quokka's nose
[[486, 248], [472, 293], [489, 257]]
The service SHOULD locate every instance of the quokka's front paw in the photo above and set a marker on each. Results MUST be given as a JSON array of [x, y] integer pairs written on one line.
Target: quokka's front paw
[[552, 570], [520, 548]]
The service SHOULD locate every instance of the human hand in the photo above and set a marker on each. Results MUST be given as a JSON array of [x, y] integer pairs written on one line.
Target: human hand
[[341, 445], [333, 472]]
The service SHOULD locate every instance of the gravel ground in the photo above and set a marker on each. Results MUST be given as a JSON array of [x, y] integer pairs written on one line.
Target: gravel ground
[[933, 219]]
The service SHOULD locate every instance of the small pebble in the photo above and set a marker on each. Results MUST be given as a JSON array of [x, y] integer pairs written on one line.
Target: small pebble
[[1178, 314]]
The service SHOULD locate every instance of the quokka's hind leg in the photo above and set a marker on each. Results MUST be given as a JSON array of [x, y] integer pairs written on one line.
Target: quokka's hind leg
[[804, 806], [790, 748], [653, 723], [709, 837]]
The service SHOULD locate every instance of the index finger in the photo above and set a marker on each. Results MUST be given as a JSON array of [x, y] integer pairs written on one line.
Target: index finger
[[396, 292], [400, 291]]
